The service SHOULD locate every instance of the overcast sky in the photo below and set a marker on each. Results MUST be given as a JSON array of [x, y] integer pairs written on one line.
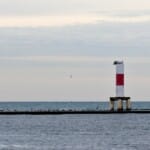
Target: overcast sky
[[64, 49]]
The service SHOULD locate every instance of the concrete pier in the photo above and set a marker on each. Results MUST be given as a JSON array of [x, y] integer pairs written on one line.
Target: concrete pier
[[61, 112], [112, 105], [120, 103], [128, 104]]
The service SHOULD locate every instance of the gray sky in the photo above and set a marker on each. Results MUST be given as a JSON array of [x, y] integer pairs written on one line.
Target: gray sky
[[45, 42]]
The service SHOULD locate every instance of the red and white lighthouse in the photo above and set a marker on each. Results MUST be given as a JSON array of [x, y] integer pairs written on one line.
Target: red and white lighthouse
[[119, 78], [120, 97]]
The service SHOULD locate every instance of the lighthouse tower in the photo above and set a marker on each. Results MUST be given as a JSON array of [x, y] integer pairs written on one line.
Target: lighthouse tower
[[120, 88], [119, 78]]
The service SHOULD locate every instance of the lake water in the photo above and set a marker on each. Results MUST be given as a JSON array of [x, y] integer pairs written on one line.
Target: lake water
[[74, 132], [65, 105]]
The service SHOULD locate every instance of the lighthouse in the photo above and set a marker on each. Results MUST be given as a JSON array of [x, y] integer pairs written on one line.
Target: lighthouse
[[119, 78], [119, 83]]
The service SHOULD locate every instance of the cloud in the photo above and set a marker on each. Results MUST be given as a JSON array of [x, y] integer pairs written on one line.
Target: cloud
[[66, 20], [56, 59], [77, 59], [102, 39], [43, 7], [45, 21]]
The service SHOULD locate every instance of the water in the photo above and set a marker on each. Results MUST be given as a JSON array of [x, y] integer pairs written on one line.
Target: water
[[73, 132], [64, 105]]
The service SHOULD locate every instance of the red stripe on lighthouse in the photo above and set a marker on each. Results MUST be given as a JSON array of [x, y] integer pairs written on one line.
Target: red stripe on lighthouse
[[119, 79]]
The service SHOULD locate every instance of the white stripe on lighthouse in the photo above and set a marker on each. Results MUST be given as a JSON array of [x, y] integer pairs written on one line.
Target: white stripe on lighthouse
[[119, 91], [120, 68]]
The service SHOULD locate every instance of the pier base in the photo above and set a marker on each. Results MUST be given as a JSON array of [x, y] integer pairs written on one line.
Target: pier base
[[120, 103], [128, 104], [112, 105]]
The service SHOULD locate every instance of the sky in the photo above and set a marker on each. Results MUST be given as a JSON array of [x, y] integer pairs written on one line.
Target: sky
[[63, 50]]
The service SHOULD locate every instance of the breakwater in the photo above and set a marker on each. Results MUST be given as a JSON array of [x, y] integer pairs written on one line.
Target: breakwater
[[59, 112]]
